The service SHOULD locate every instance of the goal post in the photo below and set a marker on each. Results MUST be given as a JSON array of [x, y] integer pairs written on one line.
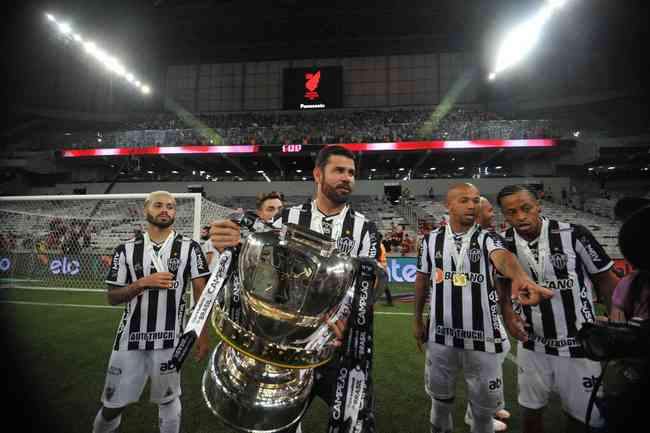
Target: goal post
[[67, 241]]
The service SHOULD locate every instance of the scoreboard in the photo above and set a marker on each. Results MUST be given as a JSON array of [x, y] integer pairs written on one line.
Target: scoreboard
[[313, 88]]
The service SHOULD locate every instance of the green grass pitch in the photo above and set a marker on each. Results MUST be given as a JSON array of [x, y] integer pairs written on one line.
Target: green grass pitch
[[57, 346]]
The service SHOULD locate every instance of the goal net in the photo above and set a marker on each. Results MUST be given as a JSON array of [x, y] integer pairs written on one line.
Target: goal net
[[68, 241]]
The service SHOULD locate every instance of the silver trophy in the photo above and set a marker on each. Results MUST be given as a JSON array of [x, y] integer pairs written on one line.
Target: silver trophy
[[289, 283]]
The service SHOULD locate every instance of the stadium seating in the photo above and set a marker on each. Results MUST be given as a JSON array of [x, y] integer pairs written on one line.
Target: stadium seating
[[341, 126]]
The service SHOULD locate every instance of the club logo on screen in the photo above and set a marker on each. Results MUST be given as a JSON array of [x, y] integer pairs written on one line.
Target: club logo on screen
[[311, 84]]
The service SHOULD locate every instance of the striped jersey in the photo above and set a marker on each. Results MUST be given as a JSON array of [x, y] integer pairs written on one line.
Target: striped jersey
[[153, 319], [463, 316], [566, 255], [355, 235]]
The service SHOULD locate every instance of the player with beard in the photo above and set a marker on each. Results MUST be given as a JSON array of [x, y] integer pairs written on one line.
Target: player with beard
[[567, 258], [149, 274], [465, 331], [330, 214]]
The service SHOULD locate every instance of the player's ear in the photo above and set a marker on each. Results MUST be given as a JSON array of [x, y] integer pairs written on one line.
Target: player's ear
[[317, 174]]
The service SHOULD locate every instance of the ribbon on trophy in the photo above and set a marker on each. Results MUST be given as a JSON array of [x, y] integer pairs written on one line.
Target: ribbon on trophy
[[211, 293], [351, 408]]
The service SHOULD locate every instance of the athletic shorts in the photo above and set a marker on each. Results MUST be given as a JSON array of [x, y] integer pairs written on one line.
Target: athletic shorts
[[128, 371], [572, 379], [482, 370]]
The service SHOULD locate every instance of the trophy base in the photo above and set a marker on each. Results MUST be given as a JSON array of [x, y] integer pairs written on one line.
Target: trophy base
[[252, 396]]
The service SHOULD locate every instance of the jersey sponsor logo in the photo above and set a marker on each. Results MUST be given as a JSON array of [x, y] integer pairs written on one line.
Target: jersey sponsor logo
[[151, 336], [167, 367], [591, 251], [345, 245], [116, 261], [588, 382], [494, 298], [173, 264], [465, 334], [494, 384], [473, 277], [554, 342], [563, 284], [475, 255], [372, 252]]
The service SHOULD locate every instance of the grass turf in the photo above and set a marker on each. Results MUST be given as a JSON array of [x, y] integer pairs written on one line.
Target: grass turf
[[57, 358]]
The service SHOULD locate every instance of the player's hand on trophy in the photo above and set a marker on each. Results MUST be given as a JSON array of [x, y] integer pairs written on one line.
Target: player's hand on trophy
[[224, 234], [338, 328], [419, 333], [159, 280], [516, 326], [202, 347], [527, 292]]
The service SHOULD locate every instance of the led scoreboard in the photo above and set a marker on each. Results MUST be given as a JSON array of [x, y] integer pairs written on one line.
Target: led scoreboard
[[313, 88]]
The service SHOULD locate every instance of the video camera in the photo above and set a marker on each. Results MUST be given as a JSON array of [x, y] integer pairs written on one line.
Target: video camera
[[624, 347]]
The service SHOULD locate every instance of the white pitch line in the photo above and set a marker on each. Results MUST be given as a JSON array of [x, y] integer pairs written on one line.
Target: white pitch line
[[54, 289], [47, 304]]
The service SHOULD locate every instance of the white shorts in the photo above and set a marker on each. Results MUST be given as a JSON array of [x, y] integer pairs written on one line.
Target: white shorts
[[128, 371], [482, 375], [572, 379]]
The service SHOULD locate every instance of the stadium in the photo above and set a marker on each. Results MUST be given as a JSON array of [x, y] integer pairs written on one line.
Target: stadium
[[217, 101]]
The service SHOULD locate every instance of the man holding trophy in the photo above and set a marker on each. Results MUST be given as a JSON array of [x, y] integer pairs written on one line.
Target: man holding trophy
[[319, 278]]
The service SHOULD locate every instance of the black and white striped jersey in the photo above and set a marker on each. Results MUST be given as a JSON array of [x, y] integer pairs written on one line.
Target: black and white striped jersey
[[355, 235], [463, 316], [565, 255], [154, 319]]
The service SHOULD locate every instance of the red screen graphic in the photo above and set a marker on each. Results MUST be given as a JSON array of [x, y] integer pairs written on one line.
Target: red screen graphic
[[294, 148], [313, 88]]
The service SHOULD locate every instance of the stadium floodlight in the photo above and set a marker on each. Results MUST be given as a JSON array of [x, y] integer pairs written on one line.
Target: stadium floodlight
[[521, 40], [432, 168], [64, 28], [298, 171], [498, 167], [110, 62], [461, 168], [611, 167], [373, 169], [174, 171], [401, 169], [228, 172]]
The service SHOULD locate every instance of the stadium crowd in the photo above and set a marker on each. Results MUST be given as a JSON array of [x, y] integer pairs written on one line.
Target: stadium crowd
[[315, 128]]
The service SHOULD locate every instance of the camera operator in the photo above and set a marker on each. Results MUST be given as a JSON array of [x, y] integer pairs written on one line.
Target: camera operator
[[624, 343]]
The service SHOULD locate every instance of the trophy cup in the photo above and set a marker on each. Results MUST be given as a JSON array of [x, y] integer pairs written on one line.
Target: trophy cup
[[271, 319]]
